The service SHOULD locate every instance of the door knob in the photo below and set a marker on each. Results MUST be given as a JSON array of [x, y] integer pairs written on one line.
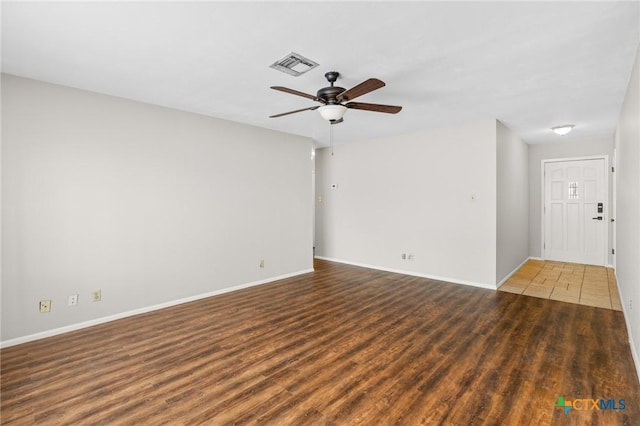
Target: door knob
[[597, 218]]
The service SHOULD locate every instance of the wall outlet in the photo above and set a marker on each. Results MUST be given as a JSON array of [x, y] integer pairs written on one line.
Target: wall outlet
[[262, 263], [73, 300], [96, 296], [45, 306], [404, 256], [410, 256]]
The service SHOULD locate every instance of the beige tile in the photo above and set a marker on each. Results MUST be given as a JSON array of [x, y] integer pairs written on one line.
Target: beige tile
[[511, 289], [616, 306], [574, 287], [591, 287], [563, 295], [579, 267], [549, 275], [539, 279], [523, 275], [597, 302], [590, 280], [518, 281], [593, 294], [573, 292], [615, 298], [570, 277], [545, 283], [595, 277], [531, 267], [537, 290], [567, 282], [571, 269], [595, 286], [595, 269]]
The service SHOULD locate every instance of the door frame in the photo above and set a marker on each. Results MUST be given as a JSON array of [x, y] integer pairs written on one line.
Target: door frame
[[607, 212], [613, 209]]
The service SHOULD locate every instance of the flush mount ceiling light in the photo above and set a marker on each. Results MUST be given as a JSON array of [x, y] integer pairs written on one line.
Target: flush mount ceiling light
[[563, 130], [332, 112]]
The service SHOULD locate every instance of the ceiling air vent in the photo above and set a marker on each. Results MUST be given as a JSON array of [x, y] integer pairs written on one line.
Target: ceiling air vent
[[294, 64]]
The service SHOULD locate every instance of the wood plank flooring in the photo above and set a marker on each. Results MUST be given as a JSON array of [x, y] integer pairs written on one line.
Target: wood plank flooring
[[567, 282], [340, 346]]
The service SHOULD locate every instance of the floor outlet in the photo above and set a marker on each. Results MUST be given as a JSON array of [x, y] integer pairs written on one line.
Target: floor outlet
[[96, 296], [73, 300], [45, 306]]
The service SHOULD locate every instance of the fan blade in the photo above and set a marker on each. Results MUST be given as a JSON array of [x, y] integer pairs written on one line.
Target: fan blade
[[361, 89], [294, 92], [293, 112], [389, 109]]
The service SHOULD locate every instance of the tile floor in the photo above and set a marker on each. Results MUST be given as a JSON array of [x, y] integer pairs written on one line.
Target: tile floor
[[566, 282]]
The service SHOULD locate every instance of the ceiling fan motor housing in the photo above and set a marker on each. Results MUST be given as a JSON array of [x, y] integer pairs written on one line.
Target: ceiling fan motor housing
[[328, 94]]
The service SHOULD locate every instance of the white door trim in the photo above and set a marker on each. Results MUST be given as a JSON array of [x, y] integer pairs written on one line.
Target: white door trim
[[613, 209], [608, 210]]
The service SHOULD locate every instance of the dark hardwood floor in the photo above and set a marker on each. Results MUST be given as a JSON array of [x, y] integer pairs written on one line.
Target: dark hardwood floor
[[343, 345]]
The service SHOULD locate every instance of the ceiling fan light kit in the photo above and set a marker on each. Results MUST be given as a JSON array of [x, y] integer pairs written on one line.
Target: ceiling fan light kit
[[332, 98], [332, 112]]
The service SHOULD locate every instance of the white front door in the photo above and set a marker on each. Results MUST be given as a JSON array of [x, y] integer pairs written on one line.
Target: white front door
[[575, 211]]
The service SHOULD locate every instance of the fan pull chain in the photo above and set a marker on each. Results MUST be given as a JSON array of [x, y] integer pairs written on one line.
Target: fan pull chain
[[331, 137]]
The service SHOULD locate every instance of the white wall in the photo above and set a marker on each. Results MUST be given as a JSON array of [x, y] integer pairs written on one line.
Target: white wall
[[512, 202], [413, 194], [627, 143], [149, 204], [561, 149]]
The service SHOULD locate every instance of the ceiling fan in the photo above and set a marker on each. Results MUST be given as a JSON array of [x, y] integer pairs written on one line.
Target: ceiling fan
[[333, 99]]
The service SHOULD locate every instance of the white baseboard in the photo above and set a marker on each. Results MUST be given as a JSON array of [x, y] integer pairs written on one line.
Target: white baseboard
[[411, 273], [504, 280], [634, 352], [78, 326]]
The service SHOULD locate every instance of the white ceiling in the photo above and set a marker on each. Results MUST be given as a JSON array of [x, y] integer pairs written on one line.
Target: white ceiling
[[532, 65]]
